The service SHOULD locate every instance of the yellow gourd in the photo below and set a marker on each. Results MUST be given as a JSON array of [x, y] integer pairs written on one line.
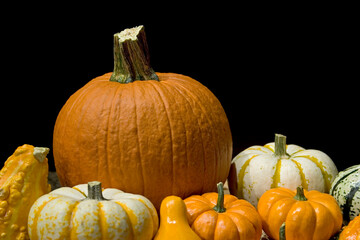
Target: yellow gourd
[[173, 221], [23, 179]]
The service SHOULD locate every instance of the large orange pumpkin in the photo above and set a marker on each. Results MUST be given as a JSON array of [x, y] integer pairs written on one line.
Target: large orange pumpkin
[[154, 134]]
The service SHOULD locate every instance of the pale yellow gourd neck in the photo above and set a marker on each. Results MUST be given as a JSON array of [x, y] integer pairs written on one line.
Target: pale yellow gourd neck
[[173, 211]]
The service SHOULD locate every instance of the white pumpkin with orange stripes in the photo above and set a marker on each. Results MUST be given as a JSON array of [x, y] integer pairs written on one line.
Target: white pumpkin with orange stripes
[[87, 211], [260, 168]]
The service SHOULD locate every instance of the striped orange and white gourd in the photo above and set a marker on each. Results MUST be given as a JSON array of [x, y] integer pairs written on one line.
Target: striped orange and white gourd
[[87, 211], [260, 168]]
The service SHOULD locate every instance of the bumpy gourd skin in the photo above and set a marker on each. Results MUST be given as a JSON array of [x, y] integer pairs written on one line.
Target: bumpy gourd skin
[[23, 179]]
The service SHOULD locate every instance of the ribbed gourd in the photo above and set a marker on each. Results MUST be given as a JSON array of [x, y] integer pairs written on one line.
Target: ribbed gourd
[[23, 179], [87, 211], [260, 168], [163, 133], [346, 190]]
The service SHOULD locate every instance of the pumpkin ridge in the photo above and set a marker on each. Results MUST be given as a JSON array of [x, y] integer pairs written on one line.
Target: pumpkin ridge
[[304, 182], [84, 110], [71, 210], [198, 126], [79, 95], [210, 123], [140, 154], [71, 227], [105, 163], [241, 176], [102, 222], [203, 217], [324, 173], [237, 215], [103, 155], [268, 147], [276, 177], [34, 234], [199, 198], [114, 111], [224, 217], [125, 208], [155, 86], [298, 151], [291, 202]]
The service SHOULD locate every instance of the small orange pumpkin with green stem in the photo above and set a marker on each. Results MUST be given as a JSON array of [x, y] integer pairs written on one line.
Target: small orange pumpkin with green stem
[[308, 215], [216, 216]]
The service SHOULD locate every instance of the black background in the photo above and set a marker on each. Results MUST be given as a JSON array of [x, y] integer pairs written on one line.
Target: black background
[[275, 69]]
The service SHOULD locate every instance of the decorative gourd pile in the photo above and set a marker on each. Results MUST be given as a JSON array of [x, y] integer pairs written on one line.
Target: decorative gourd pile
[[160, 143]]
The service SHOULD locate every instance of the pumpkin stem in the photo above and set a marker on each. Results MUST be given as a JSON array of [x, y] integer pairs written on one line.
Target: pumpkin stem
[[282, 232], [40, 153], [95, 191], [280, 146], [131, 57], [300, 196], [220, 201]]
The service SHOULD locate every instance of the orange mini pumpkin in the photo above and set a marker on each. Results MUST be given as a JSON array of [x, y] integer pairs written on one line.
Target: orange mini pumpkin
[[215, 216], [154, 134], [351, 231], [308, 215]]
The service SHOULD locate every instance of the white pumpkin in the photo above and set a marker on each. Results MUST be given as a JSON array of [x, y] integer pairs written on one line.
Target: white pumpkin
[[87, 212], [260, 168]]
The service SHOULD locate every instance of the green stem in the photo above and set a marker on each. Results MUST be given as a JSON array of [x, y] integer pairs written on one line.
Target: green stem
[[131, 57], [95, 191], [282, 235], [280, 146], [220, 202], [300, 196]]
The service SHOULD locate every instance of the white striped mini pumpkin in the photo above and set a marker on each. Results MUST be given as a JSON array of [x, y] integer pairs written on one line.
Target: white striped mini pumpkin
[[346, 190], [87, 211], [260, 168]]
